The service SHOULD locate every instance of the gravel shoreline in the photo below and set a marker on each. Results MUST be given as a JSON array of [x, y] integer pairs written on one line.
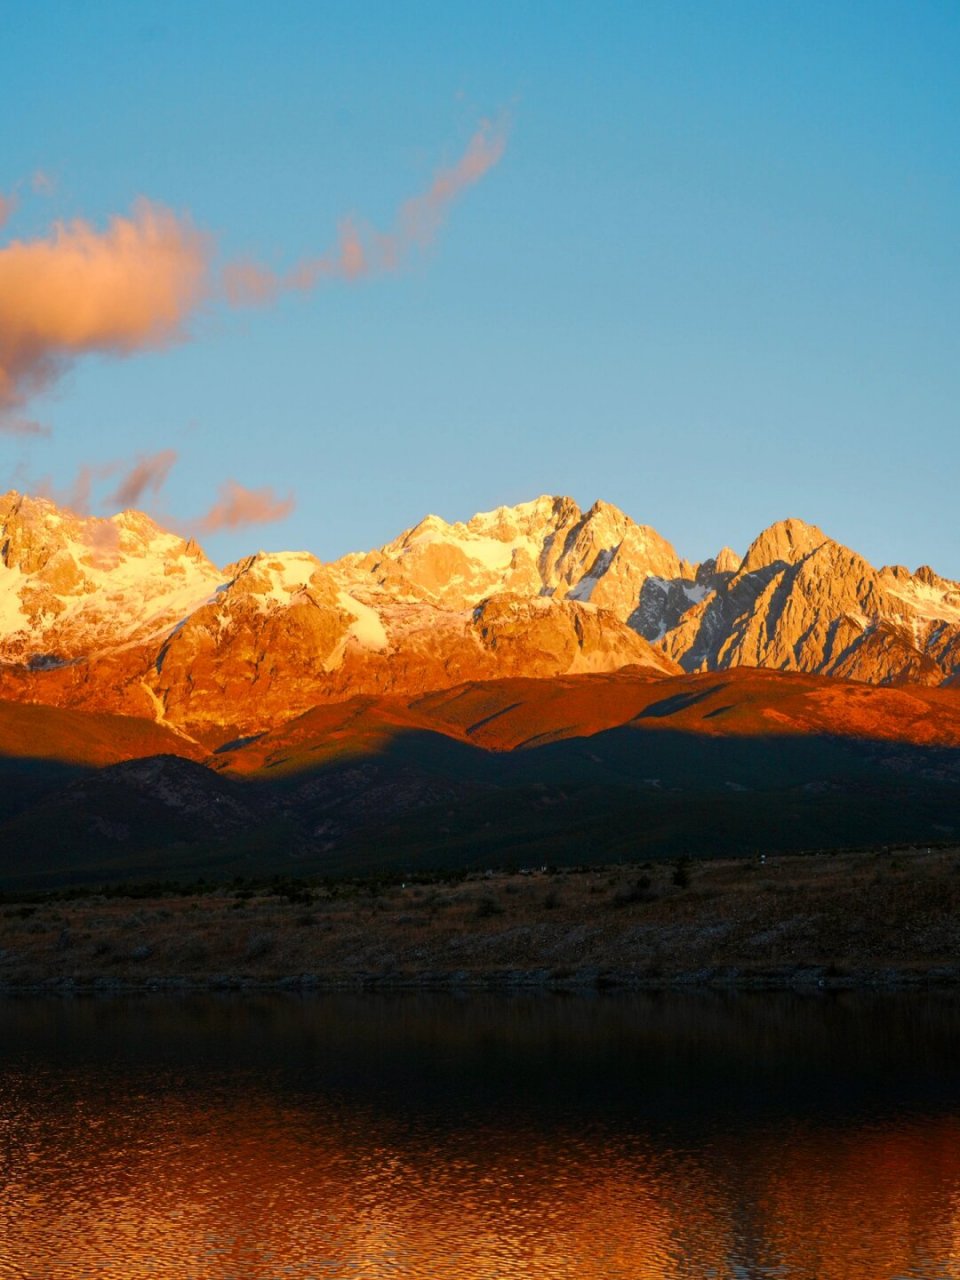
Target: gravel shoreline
[[587, 983]]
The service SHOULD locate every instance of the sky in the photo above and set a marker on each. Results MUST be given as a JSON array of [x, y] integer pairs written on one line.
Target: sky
[[292, 276]]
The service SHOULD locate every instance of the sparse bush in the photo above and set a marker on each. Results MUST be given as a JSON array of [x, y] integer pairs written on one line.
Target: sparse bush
[[259, 945], [640, 890], [195, 951], [681, 873], [487, 906]]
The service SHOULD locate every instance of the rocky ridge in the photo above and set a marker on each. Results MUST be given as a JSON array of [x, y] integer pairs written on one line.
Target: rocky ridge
[[121, 615]]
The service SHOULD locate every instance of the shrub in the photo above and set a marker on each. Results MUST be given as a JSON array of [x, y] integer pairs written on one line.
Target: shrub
[[258, 945], [488, 905], [639, 891]]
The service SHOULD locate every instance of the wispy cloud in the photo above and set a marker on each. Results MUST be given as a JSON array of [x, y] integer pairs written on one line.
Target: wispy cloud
[[16, 425], [147, 475], [104, 544], [134, 286], [238, 507], [81, 291], [142, 475], [362, 251], [235, 508], [77, 497], [40, 183], [7, 205]]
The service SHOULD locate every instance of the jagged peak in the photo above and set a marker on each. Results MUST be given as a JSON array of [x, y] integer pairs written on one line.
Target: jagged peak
[[506, 522], [606, 522], [785, 542], [726, 561], [282, 562], [236, 567], [502, 524], [428, 524], [428, 529], [601, 509], [24, 515], [544, 504], [930, 578]]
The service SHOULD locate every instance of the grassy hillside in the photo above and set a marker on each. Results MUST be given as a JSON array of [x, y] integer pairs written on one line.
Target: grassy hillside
[[502, 774]]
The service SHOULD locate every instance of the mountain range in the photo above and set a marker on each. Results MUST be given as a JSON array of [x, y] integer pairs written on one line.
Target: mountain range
[[321, 704], [122, 615]]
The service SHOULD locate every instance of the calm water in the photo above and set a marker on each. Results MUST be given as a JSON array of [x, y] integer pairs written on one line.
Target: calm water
[[681, 1136]]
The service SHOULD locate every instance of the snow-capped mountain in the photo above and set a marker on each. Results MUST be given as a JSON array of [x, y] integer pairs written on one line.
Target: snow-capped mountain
[[121, 615], [72, 586]]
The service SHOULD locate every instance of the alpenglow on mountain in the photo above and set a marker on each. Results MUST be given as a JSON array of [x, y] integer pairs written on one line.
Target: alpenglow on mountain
[[118, 614]]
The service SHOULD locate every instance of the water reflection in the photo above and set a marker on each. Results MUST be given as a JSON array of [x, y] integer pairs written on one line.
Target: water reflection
[[649, 1138]]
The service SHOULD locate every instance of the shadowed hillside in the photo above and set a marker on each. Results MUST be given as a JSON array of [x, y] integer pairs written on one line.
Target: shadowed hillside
[[508, 773]]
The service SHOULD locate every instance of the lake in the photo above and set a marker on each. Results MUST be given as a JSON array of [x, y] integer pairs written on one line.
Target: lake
[[430, 1136]]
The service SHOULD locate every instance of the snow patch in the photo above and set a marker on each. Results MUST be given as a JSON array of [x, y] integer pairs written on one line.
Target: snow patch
[[929, 603], [367, 627], [488, 551], [12, 617]]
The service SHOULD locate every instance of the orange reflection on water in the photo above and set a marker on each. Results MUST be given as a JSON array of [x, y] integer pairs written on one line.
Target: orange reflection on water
[[867, 1203], [431, 1140], [254, 1191]]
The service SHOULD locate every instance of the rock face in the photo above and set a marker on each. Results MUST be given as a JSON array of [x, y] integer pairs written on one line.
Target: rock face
[[802, 602], [120, 615], [71, 586]]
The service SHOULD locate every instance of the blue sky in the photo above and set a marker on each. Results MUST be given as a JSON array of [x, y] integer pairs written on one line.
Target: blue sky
[[713, 278]]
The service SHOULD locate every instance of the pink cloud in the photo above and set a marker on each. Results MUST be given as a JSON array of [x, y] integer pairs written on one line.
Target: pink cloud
[[235, 508], [238, 507], [420, 218], [362, 252], [7, 206], [18, 426], [134, 285], [147, 474], [77, 496], [105, 544], [246, 283], [79, 291], [42, 183]]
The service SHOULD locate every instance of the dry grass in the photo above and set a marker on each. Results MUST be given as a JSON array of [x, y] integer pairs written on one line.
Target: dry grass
[[833, 919]]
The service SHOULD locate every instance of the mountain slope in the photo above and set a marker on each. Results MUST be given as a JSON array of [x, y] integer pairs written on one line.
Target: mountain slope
[[586, 769], [801, 602], [118, 615]]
